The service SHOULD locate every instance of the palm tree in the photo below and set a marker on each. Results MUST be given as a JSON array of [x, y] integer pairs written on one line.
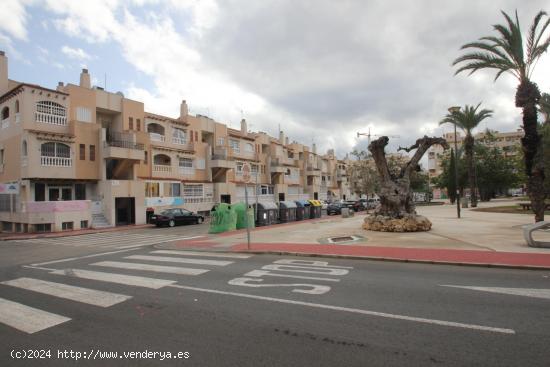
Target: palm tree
[[506, 53], [467, 119]]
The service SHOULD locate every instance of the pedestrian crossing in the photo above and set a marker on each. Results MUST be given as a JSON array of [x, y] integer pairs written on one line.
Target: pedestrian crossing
[[110, 240], [31, 318]]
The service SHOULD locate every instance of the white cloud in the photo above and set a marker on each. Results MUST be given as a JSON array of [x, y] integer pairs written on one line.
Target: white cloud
[[14, 18], [75, 53]]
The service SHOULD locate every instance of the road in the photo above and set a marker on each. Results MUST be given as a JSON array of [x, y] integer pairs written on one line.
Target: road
[[261, 310]]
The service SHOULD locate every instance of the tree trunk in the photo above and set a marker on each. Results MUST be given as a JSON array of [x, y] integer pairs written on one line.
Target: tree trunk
[[396, 199], [527, 96], [469, 150]]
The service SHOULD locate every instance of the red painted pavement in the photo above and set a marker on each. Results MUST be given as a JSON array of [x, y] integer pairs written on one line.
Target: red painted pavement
[[412, 254]]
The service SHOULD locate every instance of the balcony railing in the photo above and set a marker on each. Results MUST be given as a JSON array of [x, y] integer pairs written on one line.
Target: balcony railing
[[48, 118], [179, 141], [17, 117], [157, 137], [56, 161], [219, 153], [5, 123], [162, 168], [121, 140]]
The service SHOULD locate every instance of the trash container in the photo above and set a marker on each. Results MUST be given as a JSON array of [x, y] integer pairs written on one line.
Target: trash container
[[287, 211], [268, 213], [315, 209], [302, 209], [148, 213], [464, 202], [223, 218], [242, 213]]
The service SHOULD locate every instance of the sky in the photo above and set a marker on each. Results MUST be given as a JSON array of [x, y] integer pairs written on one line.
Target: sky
[[320, 70]]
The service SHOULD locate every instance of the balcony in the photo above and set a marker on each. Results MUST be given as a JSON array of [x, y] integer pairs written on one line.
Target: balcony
[[5, 123], [220, 159], [123, 146], [52, 119], [162, 168], [312, 170], [157, 137], [46, 161], [183, 144], [276, 166]]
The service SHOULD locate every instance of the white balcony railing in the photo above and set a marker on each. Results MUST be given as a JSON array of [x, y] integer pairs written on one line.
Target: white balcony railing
[[17, 118], [162, 168], [179, 141], [48, 118], [157, 137], [56, 161], [5, 123]]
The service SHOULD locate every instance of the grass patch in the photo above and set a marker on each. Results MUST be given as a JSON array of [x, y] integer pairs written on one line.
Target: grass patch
[[510, 209]]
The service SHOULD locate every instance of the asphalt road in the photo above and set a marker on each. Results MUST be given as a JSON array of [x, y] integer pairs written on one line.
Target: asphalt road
[[264, 310]]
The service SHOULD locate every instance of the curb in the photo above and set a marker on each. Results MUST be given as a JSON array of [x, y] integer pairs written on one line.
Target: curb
[[393, 259]]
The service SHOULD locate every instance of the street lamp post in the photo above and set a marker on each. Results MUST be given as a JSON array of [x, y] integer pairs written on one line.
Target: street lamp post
[[452, 110]]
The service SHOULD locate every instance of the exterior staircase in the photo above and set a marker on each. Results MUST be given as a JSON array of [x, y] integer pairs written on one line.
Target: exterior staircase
[[99, 221]]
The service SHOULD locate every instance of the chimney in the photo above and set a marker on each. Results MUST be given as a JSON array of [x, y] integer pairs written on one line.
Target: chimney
[[281, 137], [85, 79], [314, 148], [330, 152], [244, 128], [184, 110], [3, 73], [60, 86], [286, 140]]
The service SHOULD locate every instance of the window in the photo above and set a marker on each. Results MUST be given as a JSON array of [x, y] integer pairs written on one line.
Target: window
[[152, 189], [186, 163], [67, 226], [92, 153], [192, 190], [239, 167], [196, 136], [179, 136], [145, 157], [131, 123], [1, 156], [175, 189], [55, 150], [249, 148], [234, 144], [265, 190], [254, 169], [5, 113], [24, 148], [138, 124], [83, 114], [80, 191], [221, 141], [82, 152], [39, 192], [17, 106], [83, 224], [44, 227]]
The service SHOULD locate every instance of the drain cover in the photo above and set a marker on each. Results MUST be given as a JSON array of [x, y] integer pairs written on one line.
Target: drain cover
[[341, 239]]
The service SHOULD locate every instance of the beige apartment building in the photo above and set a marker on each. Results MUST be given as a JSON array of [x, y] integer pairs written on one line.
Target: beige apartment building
[[78, 157], [507, 141]]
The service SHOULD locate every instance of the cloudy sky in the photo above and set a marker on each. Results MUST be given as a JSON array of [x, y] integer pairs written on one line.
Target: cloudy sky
[[322, 70]]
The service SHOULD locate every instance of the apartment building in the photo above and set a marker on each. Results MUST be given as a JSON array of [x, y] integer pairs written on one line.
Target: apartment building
[[78, 156]]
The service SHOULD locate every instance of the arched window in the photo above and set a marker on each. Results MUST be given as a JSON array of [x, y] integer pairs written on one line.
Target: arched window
[[17, 106], [24, 148], [162, 160], [59, 150], [51, 113], [179, 136], [5, 113]]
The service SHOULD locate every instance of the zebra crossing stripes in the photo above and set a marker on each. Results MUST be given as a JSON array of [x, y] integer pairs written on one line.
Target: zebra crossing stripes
[[179, 260], [78, 294], [202, 253], [27, 319], [153, 268], [131, 280]]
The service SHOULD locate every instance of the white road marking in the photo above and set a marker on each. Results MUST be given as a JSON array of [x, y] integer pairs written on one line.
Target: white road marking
[[179, 260], [306, 269], [132, 280], [37, 267], [353, 310], [315, 289], [78, 294], [526, 292], [27, 319], [261, 273], [155, 268], [81, 257], [202, 253], [310, 263]]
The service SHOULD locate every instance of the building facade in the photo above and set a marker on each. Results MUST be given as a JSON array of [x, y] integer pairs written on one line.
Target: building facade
[[78, 157]]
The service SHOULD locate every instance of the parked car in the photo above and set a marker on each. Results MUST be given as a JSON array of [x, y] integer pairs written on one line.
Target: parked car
[[355, 205], [335, 208], [174, 216]]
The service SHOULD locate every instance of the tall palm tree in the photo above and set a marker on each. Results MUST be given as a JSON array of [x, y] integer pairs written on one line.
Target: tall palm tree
[[468, 118], [507, 53]]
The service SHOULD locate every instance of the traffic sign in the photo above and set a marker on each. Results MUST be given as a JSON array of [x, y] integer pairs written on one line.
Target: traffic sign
[[246, 172]]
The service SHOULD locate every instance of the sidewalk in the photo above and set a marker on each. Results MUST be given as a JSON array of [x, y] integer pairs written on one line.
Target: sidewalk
[[27, 236], [478, 239]]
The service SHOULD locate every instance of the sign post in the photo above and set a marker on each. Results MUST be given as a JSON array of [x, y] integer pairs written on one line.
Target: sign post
[[246, 179]]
